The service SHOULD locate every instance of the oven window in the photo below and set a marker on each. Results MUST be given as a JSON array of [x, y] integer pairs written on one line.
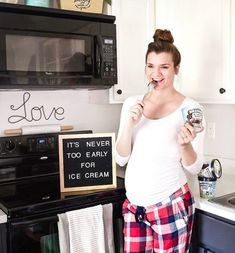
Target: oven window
[[37, 237], [48, 54]]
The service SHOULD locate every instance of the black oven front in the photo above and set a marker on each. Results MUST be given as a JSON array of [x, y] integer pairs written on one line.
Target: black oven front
[[36, 235], [34, 228], [40, 234], [31, 198]]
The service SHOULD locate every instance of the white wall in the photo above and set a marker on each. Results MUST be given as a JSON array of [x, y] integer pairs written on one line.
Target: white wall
[[223, 143], [90, 110], [79, 107]]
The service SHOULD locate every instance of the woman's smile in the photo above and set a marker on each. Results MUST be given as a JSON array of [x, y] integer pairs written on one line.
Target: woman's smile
[[160, 69], [156, 82]]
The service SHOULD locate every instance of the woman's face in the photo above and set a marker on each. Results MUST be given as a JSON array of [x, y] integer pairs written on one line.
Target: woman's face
[[160, 70]]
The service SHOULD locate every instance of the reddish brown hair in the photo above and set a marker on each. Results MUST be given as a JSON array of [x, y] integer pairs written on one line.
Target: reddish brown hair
[[163, 42]]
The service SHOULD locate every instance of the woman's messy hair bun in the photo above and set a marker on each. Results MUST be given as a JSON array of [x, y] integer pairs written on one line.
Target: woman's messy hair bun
[[163, 42], [163, 35]]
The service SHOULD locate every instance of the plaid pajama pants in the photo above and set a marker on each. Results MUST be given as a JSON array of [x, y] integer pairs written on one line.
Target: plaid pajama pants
[[164, 228]]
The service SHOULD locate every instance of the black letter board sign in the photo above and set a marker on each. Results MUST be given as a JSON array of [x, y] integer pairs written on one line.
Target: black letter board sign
[[87, 161]]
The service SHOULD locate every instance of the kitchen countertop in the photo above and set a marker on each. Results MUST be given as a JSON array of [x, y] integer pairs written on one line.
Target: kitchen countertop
[[224, 185]]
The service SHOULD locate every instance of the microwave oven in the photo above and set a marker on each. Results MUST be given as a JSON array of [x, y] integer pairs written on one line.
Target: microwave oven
[[45, 48]]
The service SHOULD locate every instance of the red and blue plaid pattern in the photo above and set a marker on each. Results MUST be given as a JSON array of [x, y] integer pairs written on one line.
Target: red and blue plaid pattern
[[164, 228]]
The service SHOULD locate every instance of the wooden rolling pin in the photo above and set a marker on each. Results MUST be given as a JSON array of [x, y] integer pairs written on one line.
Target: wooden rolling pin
[[38, 129]]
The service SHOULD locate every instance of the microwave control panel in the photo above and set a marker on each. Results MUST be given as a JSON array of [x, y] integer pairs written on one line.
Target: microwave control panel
[[109, 60]]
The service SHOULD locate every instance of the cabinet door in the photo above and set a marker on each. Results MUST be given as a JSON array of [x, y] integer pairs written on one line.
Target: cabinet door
[[214, 234], [233, 42], [202, 34], [135, 28]]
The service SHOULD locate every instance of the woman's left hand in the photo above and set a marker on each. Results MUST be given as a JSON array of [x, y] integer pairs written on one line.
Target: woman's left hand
[[186, 134]]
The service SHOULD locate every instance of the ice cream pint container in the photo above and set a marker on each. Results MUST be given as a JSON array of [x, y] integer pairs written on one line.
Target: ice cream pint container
[[207, 187], [207, 177], [194, 116]]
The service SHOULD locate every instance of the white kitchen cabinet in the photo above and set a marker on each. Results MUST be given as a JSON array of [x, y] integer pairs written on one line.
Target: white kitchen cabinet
[[233, 44], [202, 32], [135, 28]]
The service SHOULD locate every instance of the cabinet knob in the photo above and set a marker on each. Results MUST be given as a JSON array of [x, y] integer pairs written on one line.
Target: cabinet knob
[[119, 92], [222, 90]]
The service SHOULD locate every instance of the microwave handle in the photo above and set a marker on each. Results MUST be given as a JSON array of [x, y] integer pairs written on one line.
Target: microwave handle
[[98, 55]]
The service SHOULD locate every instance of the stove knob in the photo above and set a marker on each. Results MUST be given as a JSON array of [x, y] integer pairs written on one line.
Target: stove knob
[[10, 145]]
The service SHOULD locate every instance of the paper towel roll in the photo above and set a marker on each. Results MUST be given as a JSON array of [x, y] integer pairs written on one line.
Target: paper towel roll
[[53, 128]]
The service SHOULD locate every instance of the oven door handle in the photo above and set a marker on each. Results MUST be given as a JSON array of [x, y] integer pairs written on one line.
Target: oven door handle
[[51, 219]]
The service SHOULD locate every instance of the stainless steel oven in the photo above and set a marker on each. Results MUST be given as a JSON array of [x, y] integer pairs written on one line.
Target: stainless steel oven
[[30, 195]]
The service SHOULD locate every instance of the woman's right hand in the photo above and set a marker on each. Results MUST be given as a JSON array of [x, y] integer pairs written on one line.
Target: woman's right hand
[[124, 142], [136, 112]]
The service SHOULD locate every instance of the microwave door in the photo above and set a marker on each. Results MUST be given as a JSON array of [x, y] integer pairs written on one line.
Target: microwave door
[[44, 59]]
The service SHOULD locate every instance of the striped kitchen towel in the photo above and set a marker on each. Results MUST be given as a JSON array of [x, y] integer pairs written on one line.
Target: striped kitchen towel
[[108, 228], [63, 231], [86, 230]]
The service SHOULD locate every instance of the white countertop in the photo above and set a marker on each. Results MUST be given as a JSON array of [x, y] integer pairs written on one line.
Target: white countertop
[[224, 185]]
